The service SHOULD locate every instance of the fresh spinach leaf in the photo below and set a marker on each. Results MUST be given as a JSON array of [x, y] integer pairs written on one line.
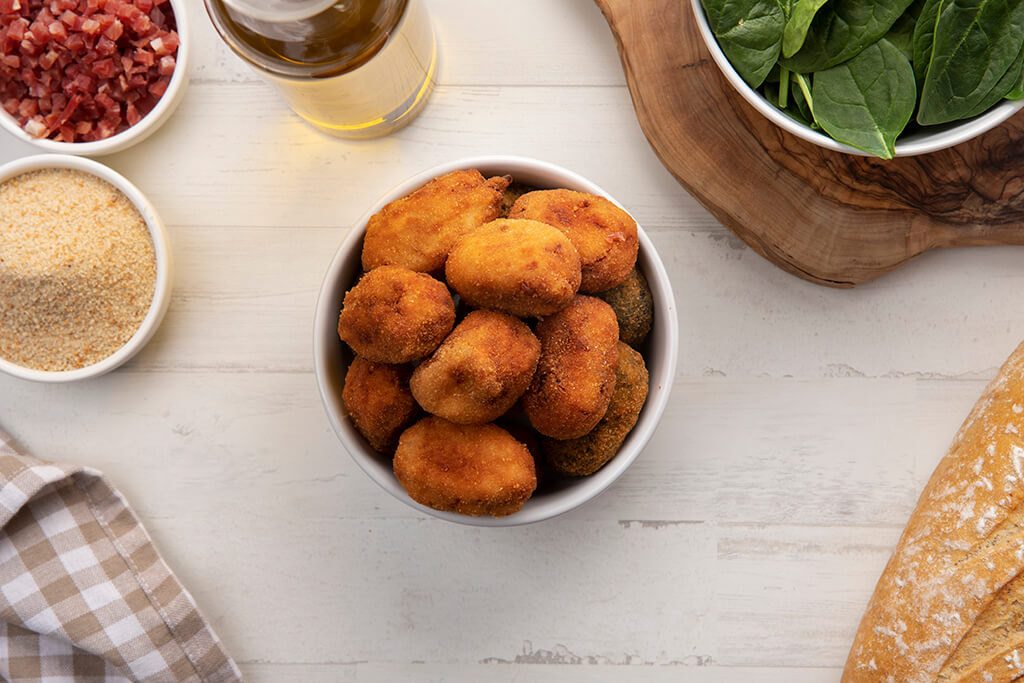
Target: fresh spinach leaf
[[1017, 92], [867, 101], [902, 32], [976, 45], [1003, 88], [843, 28], [749, 33], [798, 20], [962, 56], [773, 94], [924, 34]]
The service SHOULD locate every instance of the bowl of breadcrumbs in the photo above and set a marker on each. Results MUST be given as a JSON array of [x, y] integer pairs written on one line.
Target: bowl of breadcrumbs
[[85, 269]]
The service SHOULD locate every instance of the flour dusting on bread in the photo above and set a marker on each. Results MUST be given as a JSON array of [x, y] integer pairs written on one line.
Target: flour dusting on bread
[[949, 606]]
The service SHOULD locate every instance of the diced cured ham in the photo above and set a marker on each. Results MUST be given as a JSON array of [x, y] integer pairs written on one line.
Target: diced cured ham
[[48, 59], [105, 47], [35, 126], [114, 30], [16, 29], [58, 30], [104, 68], [83, 70]]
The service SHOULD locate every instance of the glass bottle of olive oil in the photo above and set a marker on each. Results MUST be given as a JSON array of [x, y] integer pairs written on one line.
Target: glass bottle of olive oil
[[352, 68]]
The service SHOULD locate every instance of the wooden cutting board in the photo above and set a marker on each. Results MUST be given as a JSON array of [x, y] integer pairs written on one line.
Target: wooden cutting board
[[828, 217]]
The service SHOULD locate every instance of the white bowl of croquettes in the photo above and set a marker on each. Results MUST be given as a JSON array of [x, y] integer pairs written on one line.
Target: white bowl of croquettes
[[495, 341]]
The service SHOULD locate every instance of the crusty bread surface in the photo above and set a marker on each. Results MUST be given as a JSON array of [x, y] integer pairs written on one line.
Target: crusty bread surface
[[949, 605]]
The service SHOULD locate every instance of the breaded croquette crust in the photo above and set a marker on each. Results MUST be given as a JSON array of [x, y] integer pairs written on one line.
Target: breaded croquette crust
[[634, 307], [604, 235], [525, 268], [379, 402], [418, 231], [470, 469], [479, 371], [522, 433], [394, 315], [575, 376], [589, 453]]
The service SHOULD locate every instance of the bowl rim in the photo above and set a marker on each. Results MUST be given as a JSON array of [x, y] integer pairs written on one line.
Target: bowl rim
[[149, 123], [919, 143], [325, 324], [161, 248]]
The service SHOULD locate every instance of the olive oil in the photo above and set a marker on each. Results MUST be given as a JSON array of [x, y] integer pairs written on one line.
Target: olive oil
[[352, 68]]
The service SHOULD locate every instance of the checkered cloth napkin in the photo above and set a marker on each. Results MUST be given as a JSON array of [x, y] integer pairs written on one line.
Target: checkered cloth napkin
[[84, 595]]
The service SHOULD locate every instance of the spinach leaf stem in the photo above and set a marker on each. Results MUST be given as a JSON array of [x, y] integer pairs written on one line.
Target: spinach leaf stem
[[801, 80]]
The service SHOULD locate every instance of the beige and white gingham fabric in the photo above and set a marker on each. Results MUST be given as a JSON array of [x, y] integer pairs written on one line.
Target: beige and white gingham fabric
[[84, 595]]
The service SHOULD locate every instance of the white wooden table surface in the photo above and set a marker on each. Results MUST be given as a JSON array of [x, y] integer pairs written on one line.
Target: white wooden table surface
[[742, 545]]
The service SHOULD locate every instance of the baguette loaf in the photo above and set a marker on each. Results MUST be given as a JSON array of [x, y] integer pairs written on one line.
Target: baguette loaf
[[949, 606]]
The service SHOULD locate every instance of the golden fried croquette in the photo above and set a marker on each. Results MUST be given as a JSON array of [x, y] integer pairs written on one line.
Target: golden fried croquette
[[479, 371], [470, 469], [394, 315], [634, 307], [589, 453], [524, 434], [575, 376], [378, 399], [521, 267], [418, 231], [604, 235]]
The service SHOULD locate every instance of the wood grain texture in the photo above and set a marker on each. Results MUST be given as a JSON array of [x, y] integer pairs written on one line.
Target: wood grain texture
[[831, 218]]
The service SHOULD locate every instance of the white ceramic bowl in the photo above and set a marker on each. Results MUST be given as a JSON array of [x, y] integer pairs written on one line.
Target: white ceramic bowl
[[164, 267], [165, 106], [919, 142], [331, 356]]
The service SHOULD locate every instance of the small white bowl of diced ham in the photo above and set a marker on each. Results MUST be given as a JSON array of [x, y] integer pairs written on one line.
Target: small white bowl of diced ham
[[90, 77]]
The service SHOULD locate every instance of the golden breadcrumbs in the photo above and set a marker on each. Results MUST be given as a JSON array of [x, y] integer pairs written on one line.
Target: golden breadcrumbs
[[77, 269]]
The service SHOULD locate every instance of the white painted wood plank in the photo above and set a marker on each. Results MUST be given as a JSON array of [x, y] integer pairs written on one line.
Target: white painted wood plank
[[565, 43], [400, 592], [365, 672], [257, 164], [244, 299], [770, 613], [848, 452], [530, 42], [230, 198], [749, 545], [837, 451]]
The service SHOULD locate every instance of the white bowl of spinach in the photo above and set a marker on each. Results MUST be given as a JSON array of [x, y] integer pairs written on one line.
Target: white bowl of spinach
[[879, 77]]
